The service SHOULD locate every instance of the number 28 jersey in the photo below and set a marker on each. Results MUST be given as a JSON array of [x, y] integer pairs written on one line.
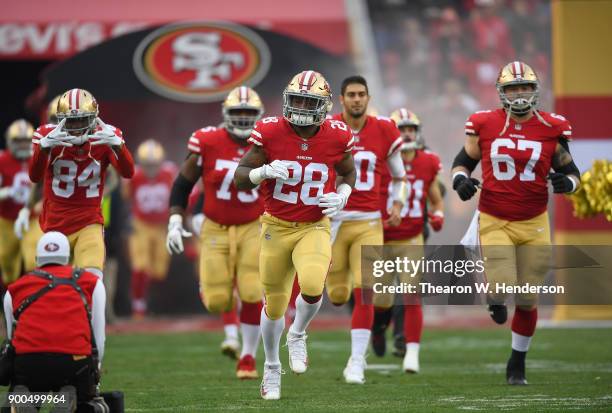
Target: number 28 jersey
[[310, 162], [220, 154], [515, 165]]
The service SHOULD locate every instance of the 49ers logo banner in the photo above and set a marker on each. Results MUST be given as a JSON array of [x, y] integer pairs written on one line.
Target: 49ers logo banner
[[200, 62]]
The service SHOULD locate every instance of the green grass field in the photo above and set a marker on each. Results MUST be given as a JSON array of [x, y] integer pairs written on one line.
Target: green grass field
[[568, 370]]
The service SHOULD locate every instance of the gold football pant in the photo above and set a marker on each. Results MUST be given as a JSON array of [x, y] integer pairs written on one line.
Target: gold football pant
[[87, 247], [228, 255], [516, 252], [287, 247], [345, 273], [10, 252], [148, 252], [28, 244], [413, 249]]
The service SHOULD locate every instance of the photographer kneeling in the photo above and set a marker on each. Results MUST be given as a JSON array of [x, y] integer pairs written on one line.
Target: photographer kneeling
[[55, 324]]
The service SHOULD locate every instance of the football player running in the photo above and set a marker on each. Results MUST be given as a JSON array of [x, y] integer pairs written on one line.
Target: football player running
[[229, 236], [295, 159], [72, 157], [422, 194], [149, 194], [377, 147], [14, 192], [517, 146]]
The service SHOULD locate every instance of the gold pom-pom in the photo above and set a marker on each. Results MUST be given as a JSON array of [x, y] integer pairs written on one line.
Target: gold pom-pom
[[595, 193]]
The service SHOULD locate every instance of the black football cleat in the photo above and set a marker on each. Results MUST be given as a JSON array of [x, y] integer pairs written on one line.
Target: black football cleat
[[379, 343], [515, 370], [399, 346], [499, 313]]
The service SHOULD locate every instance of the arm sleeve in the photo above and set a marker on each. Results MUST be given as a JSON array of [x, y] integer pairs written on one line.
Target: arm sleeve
[[123, 161], [38, 164], [8, 314], [98, 322], [396, 165]]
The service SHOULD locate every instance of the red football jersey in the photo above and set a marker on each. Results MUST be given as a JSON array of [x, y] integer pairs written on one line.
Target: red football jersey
[[311, 165], [421, 173], [150, 196], [220, 154], [515, 165], [13, 173], [74, 181], [374, 143]]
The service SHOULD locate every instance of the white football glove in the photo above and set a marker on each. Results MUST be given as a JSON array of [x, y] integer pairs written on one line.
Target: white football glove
[[334, 202], [176, 232], [6, 192], [275, 170], [106, 136], [57, 137], [196, 223], [22, 223]]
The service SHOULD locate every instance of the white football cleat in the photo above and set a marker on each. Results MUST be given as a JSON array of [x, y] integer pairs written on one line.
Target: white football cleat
[[411, 360], [298, 355], [354, 371], [271, 384], [231, 347]]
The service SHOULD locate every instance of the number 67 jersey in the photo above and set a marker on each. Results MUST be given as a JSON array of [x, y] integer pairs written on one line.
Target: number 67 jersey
[[516, 163], [310, 162]]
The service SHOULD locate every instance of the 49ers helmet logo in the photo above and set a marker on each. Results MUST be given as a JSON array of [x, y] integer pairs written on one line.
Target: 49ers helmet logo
[[200, 62]]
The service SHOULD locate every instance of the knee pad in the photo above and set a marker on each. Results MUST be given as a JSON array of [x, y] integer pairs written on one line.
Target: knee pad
[[276, 305], [217, 301], [339, 294]]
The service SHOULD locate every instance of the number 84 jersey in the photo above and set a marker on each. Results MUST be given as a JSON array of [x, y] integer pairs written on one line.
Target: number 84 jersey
[[311, 164], [74, 181], [515, 165], [219, 155]]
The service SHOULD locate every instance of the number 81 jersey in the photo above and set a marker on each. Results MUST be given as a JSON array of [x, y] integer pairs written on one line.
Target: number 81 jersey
[[515, 165], [220, 154], [310, 162]]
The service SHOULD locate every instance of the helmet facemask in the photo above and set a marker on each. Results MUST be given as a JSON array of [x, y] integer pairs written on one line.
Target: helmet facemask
[[241, 121], [519, 103], [305, 109]]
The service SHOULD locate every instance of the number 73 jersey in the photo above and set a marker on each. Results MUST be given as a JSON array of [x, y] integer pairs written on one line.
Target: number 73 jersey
[[515, 165], [219, 155]]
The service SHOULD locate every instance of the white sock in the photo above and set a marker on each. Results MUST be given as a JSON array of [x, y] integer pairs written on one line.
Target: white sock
[[414, 347], [251, 334], [231, 331], [360, 338], [304, 313], [520, 342], [271, 331], [139, 304]]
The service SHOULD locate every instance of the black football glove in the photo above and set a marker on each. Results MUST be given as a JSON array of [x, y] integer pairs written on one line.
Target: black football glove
[[561, 183], [465, 187]]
